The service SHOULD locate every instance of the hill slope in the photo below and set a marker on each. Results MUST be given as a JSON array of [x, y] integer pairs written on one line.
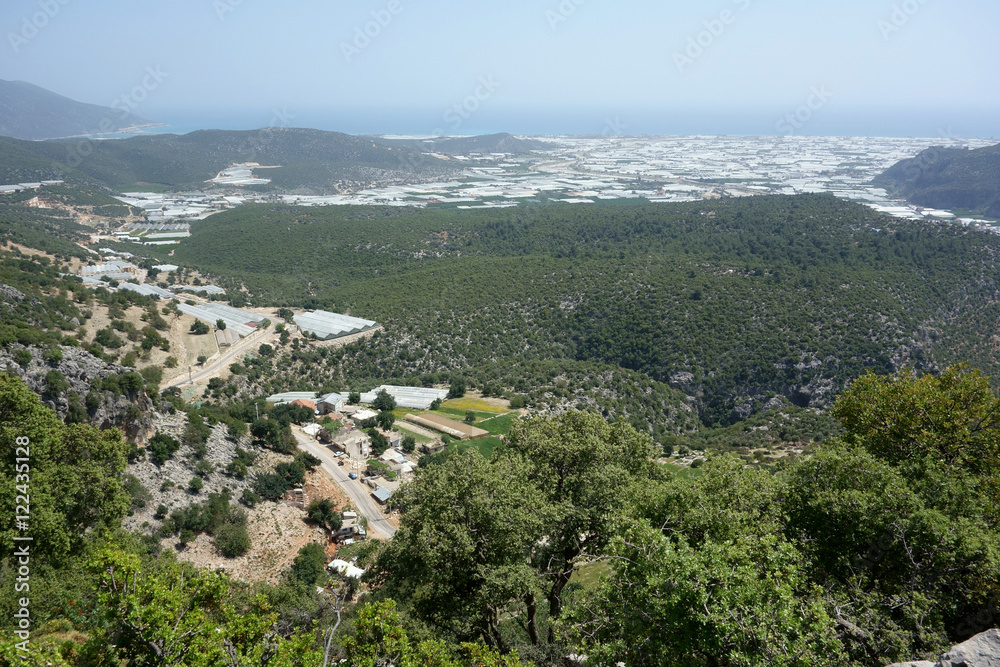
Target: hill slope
[[949, 178], [30, 112], [309, 160], [733, 302]]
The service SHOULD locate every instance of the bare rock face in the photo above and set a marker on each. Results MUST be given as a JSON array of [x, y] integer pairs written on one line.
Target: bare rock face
[[983, 650], [133, 415]]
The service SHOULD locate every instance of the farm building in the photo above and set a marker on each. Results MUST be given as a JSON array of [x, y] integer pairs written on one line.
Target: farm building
[[292, 396], [327, 326], [417, 398], [197, 289], [447, 426], [147, 290], [114, 270], [382, 495], [241, 322]]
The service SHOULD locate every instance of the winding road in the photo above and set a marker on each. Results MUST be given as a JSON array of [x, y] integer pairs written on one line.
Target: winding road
[[359, 493]]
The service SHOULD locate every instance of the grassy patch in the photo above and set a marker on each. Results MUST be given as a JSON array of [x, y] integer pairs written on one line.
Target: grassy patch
[[683, 471], [588, 575], [467, 403], [459, 415], [419, 437], [484, 446], [499, 425]]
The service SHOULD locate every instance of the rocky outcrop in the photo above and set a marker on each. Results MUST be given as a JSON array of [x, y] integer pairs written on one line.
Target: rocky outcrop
[[983, 650], [132, 414]]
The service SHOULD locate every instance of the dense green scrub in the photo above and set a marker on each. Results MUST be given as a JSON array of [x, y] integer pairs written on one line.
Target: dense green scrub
[[731, 302]]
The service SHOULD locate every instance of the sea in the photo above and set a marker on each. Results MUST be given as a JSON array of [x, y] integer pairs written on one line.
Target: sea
[[959, 123]]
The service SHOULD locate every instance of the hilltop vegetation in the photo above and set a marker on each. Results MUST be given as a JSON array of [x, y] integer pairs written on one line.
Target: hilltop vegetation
[[949, 178], [730, 302], [310, 160]]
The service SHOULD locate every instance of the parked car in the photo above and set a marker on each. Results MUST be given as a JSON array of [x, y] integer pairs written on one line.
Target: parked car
[[352, 475]]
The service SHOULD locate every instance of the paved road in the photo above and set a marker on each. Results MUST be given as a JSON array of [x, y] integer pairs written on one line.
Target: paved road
[[217, 366], [359, 493]]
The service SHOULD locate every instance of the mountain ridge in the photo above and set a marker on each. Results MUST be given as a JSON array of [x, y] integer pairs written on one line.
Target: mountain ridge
[[34, 113]]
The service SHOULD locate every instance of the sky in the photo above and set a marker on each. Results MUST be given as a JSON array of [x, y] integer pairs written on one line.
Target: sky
[[861, 67]]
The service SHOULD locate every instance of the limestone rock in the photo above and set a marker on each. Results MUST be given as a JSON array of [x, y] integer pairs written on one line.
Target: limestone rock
[[983, 650]]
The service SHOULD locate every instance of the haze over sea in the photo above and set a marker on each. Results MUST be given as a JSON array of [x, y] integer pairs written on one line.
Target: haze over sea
[[902, 123]]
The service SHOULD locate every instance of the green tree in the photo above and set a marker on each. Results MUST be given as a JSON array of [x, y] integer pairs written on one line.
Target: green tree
[[702, 570], [177, 615], [384, 402], [67, 500], [457, 388], [199, 328], [485, 517], [584, 468], [325, 513], [380, 639], [409, 444], [220, 325], [379, 442], [954, 417], [354, 398], [385, 420]]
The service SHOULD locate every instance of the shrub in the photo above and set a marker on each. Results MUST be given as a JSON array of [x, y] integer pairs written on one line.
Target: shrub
[[249, 498], [232, 540], [196, 485], [270, 486], [140, 494], [310, 564], [23, 358], [161, 447]]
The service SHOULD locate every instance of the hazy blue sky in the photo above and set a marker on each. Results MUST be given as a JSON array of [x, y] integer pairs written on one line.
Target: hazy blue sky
[[864, 66]]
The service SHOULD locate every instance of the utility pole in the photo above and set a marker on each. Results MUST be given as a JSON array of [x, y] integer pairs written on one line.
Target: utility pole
[[190, 380]]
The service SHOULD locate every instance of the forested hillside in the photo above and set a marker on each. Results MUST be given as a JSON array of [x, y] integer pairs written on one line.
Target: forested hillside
[[731, 302], [310, 160], [949, 178]]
